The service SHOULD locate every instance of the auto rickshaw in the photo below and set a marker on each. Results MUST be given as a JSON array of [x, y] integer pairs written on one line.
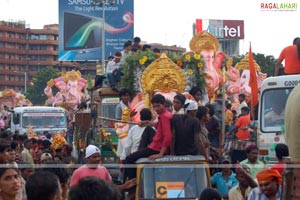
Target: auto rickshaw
[[172, 177]]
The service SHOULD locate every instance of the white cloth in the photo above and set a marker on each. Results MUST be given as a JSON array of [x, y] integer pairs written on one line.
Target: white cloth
[[111, 66], [133, 140], [121, 145], [26, 156], [124, 55], [192, 105], [179, 112]]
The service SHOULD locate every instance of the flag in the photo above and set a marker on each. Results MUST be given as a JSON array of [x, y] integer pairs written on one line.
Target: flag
[[253, 82]]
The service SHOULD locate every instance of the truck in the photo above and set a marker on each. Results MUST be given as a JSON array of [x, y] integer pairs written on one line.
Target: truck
[[272, 100], [172, 177], [39, 119]]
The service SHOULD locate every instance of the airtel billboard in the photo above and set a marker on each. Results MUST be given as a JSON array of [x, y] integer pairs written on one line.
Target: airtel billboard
[[222, 29]]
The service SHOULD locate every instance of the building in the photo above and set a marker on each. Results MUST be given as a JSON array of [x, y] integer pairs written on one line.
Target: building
[[169, 49], [25, 51]]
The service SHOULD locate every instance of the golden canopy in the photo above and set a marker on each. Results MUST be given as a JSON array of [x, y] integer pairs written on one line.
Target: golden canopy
[[244, 64], [204, 41], [163, 75]]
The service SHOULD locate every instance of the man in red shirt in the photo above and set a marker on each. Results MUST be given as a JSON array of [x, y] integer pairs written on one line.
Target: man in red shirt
[[92, 168], [161, 140], [163, 136], [242, 124], [291, 56]]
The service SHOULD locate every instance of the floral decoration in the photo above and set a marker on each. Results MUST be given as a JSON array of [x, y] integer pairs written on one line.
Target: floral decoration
[[31, 133], [135, 63], [58, 140]]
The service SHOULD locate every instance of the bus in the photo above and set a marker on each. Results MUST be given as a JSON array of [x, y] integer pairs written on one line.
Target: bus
[[272, 99], [40, 118]]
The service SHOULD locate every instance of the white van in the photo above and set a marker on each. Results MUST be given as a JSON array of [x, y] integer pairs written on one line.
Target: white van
[[40, 118], [273, 96]]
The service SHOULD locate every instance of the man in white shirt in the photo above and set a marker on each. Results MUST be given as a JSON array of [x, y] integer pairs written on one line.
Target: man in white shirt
[[137, 132], [113, 71], [25, 154], [126, 50]]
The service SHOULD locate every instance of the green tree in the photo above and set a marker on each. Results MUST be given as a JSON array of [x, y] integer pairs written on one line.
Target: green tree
[[35, 93], [266, 63]]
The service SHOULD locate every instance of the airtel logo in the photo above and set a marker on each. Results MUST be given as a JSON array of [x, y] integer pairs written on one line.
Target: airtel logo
[[231, 29], [227, 32]]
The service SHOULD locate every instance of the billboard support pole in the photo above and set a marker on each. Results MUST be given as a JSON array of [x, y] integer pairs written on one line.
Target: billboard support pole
[[103, 38]]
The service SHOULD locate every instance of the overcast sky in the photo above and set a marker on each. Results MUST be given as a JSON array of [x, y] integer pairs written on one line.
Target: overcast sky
[[170, 21]]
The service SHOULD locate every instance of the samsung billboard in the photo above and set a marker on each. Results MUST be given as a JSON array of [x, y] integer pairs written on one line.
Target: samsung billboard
[[222, 29], [81, 26]]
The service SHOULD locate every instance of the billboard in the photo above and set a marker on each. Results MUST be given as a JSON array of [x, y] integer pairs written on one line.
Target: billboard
[[81, 26], [222, 29]]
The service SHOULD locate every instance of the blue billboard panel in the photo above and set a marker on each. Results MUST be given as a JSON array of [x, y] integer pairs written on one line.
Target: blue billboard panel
[[81, 24]]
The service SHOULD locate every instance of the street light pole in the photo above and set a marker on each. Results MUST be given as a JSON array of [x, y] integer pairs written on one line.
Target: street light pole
[[25, 82]]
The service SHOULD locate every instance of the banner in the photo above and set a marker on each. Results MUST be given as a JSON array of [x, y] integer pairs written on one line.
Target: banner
[[81, 25], [222, 29]]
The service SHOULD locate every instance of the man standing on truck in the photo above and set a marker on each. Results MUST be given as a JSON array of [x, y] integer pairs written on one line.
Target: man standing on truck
[[291, 56]]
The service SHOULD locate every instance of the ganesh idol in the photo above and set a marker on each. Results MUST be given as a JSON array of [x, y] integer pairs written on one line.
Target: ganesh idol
[[239, 77], [70, 85], [207, 45]]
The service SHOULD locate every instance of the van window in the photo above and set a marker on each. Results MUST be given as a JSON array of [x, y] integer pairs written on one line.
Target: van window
[[108, 109], [44, 120], [273, 107]]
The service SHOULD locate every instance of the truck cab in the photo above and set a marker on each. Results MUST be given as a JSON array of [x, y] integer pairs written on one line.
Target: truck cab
[[172, 177], [39, 119], [273, 96]]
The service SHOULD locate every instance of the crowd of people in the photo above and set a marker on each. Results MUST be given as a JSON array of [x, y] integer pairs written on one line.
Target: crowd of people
[[32, 169], [181, 127]]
